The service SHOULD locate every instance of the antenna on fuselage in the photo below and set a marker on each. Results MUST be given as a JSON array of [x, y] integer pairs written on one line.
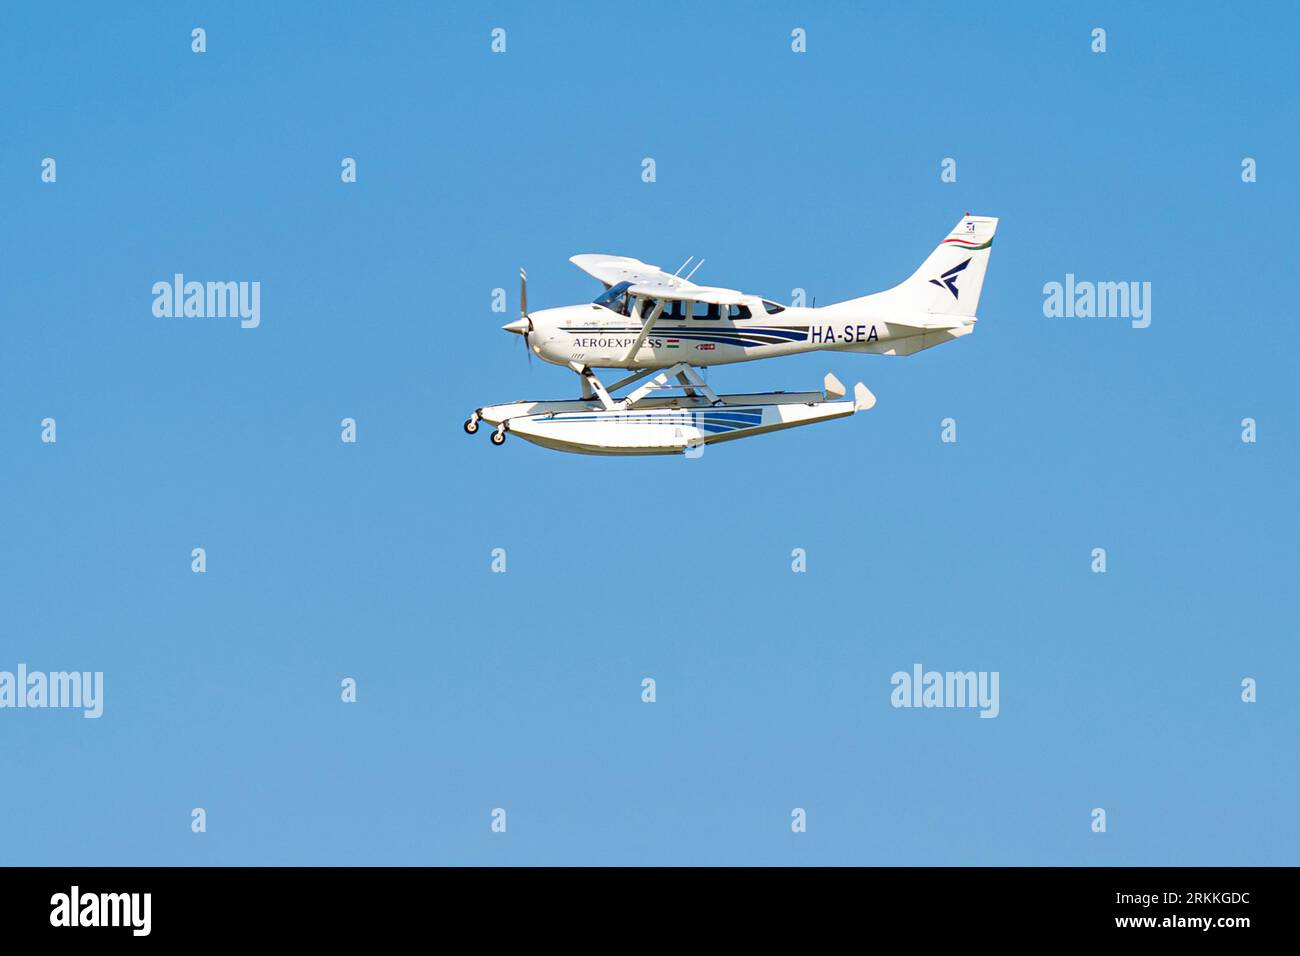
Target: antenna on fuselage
[[693, 271], [683, 266]]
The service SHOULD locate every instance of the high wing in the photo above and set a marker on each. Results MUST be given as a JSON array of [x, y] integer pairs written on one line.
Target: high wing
[[651, 281]]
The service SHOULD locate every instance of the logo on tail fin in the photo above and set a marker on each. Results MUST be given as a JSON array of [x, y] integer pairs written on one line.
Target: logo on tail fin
[[950, 279]]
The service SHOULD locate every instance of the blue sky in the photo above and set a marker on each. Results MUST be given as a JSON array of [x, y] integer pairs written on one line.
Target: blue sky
[[522, 690]]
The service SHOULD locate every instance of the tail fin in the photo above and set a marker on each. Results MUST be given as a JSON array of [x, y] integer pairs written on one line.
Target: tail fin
[[948, 282]]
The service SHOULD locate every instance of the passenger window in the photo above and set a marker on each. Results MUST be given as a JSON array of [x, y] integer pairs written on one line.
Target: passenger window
[[705, 310], [771, 308], [740, 311]]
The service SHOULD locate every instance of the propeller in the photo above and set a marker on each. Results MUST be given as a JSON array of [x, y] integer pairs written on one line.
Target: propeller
[[524, 324], [523, 313]]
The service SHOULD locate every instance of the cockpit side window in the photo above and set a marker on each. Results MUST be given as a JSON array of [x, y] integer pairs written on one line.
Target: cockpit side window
[[615, 298]]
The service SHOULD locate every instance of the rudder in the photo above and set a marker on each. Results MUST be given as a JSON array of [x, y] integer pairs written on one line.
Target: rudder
[[948, 283], [950, 280]]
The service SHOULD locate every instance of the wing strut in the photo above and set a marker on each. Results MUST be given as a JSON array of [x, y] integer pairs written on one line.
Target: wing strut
[[645, 330]]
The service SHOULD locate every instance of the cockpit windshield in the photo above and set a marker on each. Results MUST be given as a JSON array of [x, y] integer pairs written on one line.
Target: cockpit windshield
[[615, 298]]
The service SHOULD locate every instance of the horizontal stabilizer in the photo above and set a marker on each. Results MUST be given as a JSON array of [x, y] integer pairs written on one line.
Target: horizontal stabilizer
[[931, 322]]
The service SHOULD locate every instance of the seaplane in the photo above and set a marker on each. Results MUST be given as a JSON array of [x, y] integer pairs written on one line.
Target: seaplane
[[662, 329]]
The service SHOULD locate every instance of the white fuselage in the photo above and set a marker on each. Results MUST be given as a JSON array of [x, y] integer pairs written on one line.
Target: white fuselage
[[598, 337]]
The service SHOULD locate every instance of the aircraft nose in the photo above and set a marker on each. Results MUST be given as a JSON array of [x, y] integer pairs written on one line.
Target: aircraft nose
[[518, 326]]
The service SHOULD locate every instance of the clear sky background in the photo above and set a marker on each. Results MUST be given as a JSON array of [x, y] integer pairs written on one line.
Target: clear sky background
[[523, 690]]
